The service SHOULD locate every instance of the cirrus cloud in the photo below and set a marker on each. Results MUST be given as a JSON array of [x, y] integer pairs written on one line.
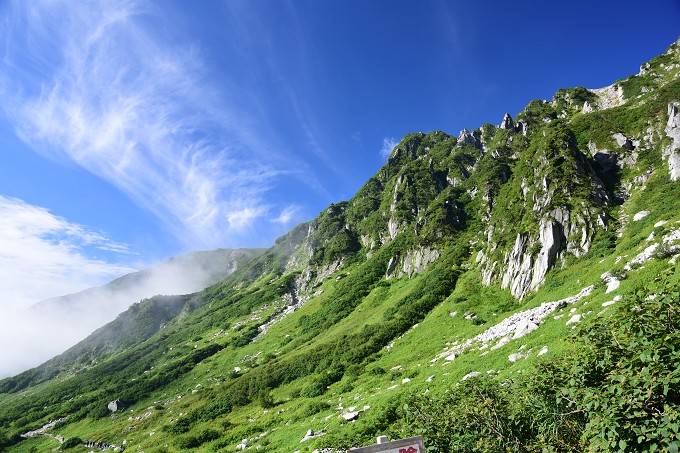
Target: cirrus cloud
[[287, 214], [388, 145], [42, 255], [94, 84]]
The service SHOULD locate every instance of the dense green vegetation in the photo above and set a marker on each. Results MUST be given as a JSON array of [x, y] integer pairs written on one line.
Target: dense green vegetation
[[619, 392], [361, 322]]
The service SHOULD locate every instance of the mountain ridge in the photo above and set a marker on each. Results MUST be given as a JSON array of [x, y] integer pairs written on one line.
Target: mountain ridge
[[65, 320], [209, 266]]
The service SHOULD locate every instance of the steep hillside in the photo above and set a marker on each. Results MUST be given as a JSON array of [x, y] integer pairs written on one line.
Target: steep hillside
[[510, 288]]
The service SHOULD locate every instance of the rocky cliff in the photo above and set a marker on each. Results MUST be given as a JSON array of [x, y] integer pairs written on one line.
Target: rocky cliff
[[584, 152], [538, 188]]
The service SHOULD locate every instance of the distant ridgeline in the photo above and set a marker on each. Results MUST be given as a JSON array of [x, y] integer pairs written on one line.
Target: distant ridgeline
[[511, 288]]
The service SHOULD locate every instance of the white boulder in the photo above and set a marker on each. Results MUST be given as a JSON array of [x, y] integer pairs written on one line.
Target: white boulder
[[574, 319], [640, 215]]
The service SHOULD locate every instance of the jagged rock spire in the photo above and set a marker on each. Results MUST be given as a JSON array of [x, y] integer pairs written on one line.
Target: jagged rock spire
[[507, 122], [466, 137]]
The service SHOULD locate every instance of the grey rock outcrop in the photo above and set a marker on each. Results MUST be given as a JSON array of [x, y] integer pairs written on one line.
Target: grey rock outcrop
[[522, 127], [43, 431], [115, 405], [517, 356], [607, 161], [640, 215], [609, 96], [523, 270], [415, 261], [466, 137], [673, 132], [611, 281], [472, 374], [394, 226], [575, 319], [520, 264], [624, 142], [311, 434], [507, 122], [520, 257], [551, 237], [674, 166]]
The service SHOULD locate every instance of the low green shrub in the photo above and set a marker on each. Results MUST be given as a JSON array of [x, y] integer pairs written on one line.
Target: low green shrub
[[71, 443], [620, 392]]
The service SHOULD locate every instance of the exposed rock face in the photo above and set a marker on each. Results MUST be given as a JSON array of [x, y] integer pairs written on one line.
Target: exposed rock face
[[673, 131], [607, 161], [519, 267], [558, 228], [312, 277], [522, 127], [43, 430], [608, 97], [575, 319], [311, 434], [467, 137], [551, 238], [471, 375], [414, 262], [624, 142], [674, 166], [523, 269], [352, 413], [640, 215], [668, 241], [507, 122], [394, 227], [526, 271], [517, 356], [115, 406]]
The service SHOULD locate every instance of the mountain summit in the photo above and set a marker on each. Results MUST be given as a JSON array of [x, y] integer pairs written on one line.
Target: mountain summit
[[509, 288]]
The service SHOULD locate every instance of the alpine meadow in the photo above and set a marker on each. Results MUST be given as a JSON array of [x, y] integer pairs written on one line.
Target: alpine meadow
[[512, 288]]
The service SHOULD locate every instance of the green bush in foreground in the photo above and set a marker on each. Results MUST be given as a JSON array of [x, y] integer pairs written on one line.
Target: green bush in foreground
[[621, 393], [630, 389], [198, 439], [483, 415], [72, 442]]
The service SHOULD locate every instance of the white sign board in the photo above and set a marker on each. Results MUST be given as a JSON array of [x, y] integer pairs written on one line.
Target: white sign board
[[410, 445]]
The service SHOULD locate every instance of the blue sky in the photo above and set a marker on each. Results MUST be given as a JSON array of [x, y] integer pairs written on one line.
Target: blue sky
[[132, 131]]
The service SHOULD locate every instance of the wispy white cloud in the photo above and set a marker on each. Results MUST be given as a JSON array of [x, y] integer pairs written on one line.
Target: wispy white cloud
[[99, 89], [287, 214], [43, 255], [388, 145]]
